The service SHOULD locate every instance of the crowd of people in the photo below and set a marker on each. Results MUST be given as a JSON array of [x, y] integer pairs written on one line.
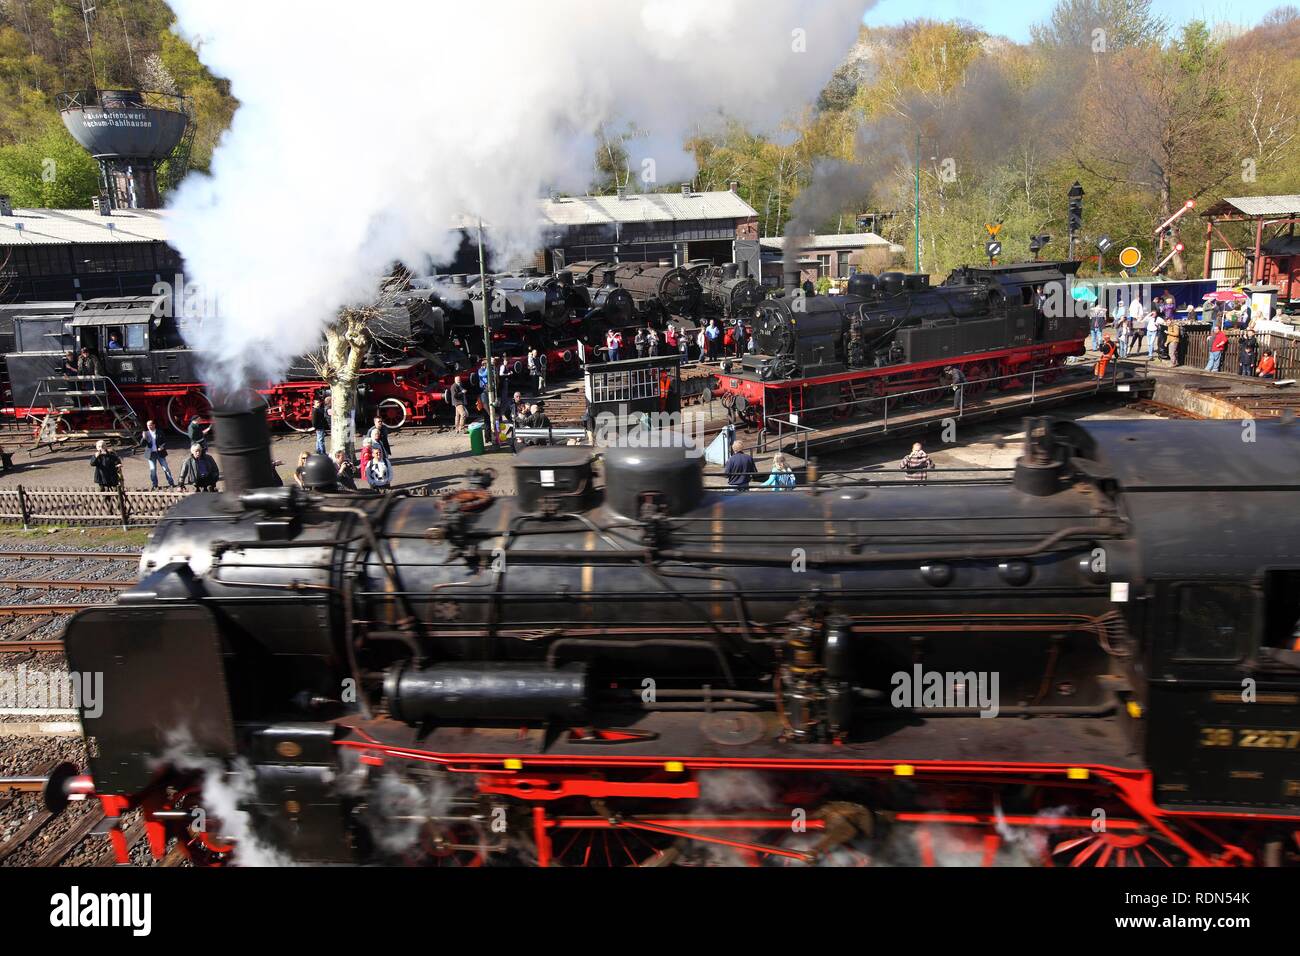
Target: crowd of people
[[1163, 332]]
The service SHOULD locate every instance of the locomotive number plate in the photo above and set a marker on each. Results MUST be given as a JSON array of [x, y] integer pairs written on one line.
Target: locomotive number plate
[[1255, 739]]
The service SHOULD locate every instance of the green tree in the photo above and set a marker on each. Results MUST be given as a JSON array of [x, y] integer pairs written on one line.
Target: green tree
[[50, 171]]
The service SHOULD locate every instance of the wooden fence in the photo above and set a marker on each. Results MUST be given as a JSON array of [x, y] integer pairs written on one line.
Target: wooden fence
[[80, 506], [1196, 354]]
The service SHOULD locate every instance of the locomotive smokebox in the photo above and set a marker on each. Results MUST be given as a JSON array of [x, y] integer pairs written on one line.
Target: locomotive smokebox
[[244, 441], [667, 479]]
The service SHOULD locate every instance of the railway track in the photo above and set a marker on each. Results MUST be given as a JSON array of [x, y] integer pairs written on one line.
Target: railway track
[[31, 647], [42, 610], [70, 555]]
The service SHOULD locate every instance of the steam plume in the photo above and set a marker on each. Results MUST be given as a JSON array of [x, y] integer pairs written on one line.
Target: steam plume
[[364, 131]]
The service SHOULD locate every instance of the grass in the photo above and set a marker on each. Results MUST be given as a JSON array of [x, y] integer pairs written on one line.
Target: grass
[[66, 536]]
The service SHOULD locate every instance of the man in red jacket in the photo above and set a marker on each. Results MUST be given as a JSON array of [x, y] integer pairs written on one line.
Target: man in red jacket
[[1218, 345]]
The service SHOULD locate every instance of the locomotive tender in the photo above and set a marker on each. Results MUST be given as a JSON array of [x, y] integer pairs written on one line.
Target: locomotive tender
[[587, 659]]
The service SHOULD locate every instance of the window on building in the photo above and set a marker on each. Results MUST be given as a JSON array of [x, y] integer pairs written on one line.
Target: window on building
[[824, 265], [843, 270]]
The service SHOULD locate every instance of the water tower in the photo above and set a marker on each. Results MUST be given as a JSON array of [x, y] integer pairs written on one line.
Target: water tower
[[131, 133]]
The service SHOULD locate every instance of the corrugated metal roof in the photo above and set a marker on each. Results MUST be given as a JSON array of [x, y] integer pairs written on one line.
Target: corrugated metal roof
[[1267, 205], [852, 240], [36, 227], [645, 207]]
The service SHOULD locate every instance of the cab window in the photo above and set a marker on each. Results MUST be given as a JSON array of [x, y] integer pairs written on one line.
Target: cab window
[[137, 338]]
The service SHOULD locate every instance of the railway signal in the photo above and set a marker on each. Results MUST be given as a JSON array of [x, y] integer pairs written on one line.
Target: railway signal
[[992, 249], [1103, 244], [1038, 243], [1160, 267], [1076, 214]]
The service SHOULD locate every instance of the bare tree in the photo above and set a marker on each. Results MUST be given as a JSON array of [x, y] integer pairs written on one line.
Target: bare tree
[[349, 338]]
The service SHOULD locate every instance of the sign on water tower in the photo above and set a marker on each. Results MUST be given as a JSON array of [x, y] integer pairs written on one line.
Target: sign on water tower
[[131, 133]]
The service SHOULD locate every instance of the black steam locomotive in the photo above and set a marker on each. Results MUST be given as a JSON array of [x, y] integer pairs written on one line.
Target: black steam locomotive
[[1110, 626], [898, 319]]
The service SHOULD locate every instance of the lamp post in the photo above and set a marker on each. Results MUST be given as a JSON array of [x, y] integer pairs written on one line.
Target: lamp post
[[491, 391], [916, 229]]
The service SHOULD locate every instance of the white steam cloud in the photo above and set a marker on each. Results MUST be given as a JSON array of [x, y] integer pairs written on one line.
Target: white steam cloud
[[366, 131]]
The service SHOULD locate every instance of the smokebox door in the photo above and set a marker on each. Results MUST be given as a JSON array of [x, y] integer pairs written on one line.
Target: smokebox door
[[162, 677]]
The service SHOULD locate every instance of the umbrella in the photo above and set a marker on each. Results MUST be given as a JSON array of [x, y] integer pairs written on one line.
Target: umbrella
[[1225, 295], [1083, 293]]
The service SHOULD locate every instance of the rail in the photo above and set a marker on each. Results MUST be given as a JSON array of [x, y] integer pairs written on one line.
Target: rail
[[72, 506]]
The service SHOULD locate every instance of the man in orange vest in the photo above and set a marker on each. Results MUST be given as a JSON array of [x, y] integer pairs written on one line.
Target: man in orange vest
[[1108, 350]]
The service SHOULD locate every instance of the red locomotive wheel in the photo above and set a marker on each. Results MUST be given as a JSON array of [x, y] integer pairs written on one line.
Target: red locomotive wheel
[[393, 412], [182, 408], [296, 413], [613, 847], [1111, 849]]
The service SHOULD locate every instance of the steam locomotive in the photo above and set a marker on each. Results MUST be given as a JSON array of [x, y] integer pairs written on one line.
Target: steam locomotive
[[638, 670], [897, 334]]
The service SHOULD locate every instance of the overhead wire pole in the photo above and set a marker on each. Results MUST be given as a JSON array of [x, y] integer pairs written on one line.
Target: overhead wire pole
[[491, 393]]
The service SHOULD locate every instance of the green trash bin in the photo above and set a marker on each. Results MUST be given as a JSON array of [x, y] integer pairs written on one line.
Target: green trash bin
[[476, 438]]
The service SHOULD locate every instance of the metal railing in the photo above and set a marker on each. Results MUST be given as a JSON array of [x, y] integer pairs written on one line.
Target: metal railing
[[932, 395]]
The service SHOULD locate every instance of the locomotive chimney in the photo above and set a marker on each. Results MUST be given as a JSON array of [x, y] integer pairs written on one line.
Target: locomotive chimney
[[791, 279], [244, 441], [742, 269], [1039, 469]]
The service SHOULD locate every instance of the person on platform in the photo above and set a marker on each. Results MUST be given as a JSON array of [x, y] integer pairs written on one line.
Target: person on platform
[[641, 343], [197, 432], [1218, 345], [1137, 318], [380, 432], [1108, 352], [107, 467], [713, 339], [298, 472], [200, 470], [1267, 366], [69, 366], [1174, 339], [613, 344], [460, 403], [319, 423], [375, 467], [1248, 359], [346, 470], [1097, 321], [957, 379], [740, 468], [782, 475], [154, 440], [739, 337], [917, 465]]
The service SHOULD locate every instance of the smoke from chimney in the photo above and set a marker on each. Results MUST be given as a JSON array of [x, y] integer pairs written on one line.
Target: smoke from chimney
[[360, 87]]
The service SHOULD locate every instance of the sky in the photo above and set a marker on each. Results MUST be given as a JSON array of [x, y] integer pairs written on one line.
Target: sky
[[1014, 19]]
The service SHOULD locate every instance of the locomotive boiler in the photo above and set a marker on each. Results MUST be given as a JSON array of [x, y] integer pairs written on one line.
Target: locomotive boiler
[[727, 290], [582, 661]]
